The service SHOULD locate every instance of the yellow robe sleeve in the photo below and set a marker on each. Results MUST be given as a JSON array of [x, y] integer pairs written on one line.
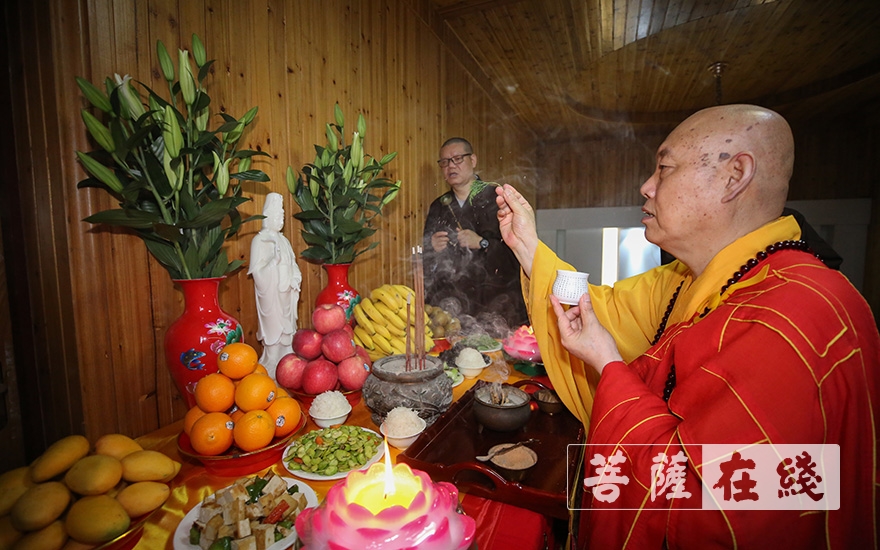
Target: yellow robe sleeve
[[624, 310]]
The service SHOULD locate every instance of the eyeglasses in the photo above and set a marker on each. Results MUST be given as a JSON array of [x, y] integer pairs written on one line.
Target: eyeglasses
[[456, 160]]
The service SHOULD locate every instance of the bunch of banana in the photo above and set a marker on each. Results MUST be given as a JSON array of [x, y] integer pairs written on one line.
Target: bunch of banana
[[384, 318]]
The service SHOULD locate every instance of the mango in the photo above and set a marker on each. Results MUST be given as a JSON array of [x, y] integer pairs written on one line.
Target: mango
[[93, 475], [40, 505], [116, 445], [147, 466], [8, 534], [96, 519], [73, 544], [60, 456], [172, 475], [13, 484], [143, 497], [51, 537]]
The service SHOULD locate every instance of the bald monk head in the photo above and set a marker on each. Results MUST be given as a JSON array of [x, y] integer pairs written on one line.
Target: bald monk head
[[722, 173]]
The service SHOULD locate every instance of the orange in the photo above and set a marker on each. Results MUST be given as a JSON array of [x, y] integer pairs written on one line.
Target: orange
[[286, 413], [237, 360], [211, 434], [261, 369], [255, 392], [281, 392], [190, 418], [254, 431], [215, 393]]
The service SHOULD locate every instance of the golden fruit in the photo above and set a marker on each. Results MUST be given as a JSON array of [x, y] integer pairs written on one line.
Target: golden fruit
[[96, 519], [143, 497], [93, 475], [8, 533], [147, 465], [116, 445], [40, 505], [51, 537], [13, 484], [60, 456]]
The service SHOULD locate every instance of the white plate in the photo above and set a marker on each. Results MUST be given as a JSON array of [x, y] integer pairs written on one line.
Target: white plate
[[455, 375], [338, 475], [181, 534]]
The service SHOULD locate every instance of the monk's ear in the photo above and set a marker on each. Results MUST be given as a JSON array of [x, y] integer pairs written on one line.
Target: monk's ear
[[741, 171]]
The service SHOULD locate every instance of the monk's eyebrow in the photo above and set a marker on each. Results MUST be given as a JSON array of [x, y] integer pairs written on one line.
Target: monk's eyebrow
[[663, 153]]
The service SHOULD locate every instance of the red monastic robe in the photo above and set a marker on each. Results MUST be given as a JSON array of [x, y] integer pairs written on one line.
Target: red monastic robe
[[789, 355]]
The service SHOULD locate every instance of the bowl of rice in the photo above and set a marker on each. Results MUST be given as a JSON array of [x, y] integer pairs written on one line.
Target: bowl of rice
[[330, 408], [471, 362], [402, 426]]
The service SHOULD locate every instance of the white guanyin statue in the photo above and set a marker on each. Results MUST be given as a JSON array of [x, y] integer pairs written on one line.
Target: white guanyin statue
[[277, 281]]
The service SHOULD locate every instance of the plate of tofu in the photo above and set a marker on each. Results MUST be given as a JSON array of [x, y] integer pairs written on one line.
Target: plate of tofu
[[249, 512]]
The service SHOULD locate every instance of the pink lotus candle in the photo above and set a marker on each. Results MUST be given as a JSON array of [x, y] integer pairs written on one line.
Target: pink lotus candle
[[387, 508], [523, 345]]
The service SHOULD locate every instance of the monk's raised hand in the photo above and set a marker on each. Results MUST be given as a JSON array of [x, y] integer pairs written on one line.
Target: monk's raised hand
[[516, 220], [583, 335]]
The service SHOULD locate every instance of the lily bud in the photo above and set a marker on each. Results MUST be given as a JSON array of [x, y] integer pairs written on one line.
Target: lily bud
[[390, 195], [165, 61], [171, 133], [347, 171], [221, 182], [332, 141], [245, 164], [169, 172], [202, 119], [199, 51], [216, 161], [130, 97], [249, 116], [99, 132], [357, 151], [340, 118], [291, 181], [233, 135], [158, 110], [187, 83], [101, 172], [313, 188], [362, 126], [95, 96]]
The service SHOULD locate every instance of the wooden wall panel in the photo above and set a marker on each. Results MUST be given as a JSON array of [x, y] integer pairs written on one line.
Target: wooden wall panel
[[101, 304]]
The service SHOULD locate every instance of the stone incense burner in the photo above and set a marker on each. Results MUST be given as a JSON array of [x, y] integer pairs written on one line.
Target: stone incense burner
[[428, 391]]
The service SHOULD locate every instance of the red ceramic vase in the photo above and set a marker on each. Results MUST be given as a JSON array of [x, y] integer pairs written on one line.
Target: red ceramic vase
[[338, 291], [194, 340]]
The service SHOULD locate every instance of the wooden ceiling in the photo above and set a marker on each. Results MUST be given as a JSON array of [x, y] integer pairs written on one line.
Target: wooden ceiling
[[571, 68]]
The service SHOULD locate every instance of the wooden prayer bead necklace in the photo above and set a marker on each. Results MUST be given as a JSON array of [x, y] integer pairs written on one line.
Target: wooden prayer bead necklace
[[745, 268]]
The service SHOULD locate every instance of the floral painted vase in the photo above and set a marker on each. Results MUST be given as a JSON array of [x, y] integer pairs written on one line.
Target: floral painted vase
[[338, 291], [194, 340]]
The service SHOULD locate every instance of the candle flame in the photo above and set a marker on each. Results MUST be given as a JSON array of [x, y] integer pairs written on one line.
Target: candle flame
[[390, 488]]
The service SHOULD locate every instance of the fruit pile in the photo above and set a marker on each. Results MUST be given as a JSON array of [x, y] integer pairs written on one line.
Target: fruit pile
[[443, 324], [240, 405], [383, 320], [72, 491], [325, 357]]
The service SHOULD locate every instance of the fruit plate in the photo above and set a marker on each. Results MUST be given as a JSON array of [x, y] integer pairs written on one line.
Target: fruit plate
[[339, 475], [238, 463], [455, 374], [181, 535], [481, 342]]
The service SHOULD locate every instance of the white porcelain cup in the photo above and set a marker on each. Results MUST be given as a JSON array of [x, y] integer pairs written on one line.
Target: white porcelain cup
[[570, 286]]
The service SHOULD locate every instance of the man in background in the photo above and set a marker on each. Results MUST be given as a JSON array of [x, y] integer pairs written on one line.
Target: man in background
[[467, 265]]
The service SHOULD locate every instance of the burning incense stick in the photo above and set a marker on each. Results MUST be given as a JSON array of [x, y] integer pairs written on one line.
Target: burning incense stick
[[420, 308], [408, 333]]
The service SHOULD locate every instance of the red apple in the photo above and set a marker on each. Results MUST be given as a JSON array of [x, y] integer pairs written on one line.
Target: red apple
[[363, 354], [349, 329], [337, 345], [328, 317], [307, 343], [289, 371], [353, 372], [319, 376]]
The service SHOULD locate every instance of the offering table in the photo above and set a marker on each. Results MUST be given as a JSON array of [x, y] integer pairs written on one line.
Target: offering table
[[194, 483]]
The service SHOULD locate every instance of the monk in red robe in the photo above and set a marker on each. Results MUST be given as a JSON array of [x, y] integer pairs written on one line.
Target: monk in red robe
[[747, 339]]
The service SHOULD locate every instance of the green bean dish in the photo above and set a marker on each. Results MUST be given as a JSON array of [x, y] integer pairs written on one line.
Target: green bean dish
[[332, 452]]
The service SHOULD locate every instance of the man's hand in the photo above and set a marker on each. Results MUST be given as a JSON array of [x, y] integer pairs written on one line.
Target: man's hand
[[583, 335], [468, 239], [516, 220], [439, 241]]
